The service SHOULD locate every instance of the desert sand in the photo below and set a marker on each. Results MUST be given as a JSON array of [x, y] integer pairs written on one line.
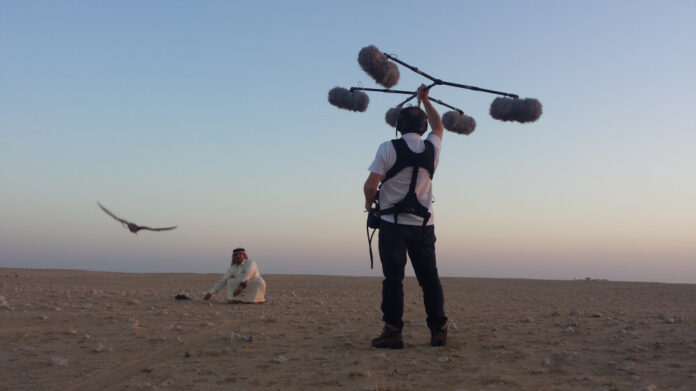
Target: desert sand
[[83, 330]]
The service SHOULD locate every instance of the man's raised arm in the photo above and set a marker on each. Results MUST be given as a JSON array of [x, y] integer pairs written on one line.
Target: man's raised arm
[[433, 117]]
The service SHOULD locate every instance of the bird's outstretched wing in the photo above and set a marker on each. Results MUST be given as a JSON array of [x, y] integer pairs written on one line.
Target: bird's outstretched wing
[[111, 214], [158, 229]]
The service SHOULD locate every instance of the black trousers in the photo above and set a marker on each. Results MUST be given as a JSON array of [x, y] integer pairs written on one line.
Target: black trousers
[[395, 240]]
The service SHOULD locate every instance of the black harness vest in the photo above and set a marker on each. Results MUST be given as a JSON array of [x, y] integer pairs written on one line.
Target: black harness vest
[[406, 158]]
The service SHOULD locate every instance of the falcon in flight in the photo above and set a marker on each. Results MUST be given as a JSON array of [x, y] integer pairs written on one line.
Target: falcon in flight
[[132, 226]]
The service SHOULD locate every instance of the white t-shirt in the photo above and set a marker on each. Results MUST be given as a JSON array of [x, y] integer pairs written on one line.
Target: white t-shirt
[[395, 189]]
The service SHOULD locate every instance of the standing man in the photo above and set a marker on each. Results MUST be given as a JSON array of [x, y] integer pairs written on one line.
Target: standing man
[[405, 169], [243, 280]]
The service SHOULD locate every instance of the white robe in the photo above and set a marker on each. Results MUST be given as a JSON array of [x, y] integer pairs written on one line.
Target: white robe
[[246, 271]]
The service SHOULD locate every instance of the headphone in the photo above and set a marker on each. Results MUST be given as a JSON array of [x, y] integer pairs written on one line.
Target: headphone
[[400, 124]]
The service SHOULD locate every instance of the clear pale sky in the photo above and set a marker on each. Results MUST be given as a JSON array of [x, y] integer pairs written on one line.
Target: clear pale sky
[[213, 116]]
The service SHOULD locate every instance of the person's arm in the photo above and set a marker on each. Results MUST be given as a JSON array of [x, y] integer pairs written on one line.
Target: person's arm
[[433, 117], [370, 189], [249, 271], [218, 284]]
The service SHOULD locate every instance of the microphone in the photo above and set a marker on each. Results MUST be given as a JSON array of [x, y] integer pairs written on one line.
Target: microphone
[[520, 110], [349, 100], [458, 123], [392, 116], [376, 64]]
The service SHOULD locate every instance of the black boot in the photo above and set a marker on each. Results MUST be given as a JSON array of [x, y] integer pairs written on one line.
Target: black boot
[[390, 338], [439, 337]]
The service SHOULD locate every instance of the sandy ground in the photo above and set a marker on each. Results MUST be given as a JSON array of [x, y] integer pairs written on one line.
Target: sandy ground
[[81, 330]]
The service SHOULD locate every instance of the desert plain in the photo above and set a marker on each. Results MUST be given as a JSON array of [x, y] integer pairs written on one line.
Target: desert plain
[[86, 330]]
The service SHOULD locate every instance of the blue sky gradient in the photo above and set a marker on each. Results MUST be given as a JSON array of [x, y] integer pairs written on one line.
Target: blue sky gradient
[[214, 116]]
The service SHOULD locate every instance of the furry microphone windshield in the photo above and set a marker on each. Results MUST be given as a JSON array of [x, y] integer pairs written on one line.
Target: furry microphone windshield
[[458, 123], [392, 116], [376, 64], [520, 110], [349, 100]]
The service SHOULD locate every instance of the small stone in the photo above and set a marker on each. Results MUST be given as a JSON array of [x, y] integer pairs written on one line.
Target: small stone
[[574, 312], [163, 312], [279, 358], [71, 331], [381, 355], [3, 303], [248, 337], [443, 359], [528, 319], [59, 361], [98, 347], [626, 366], [133, 323], [664, 371], [596, 315], [231, 335], [134, 302]]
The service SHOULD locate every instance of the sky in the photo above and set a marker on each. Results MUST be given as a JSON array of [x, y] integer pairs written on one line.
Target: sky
[[213, 116]]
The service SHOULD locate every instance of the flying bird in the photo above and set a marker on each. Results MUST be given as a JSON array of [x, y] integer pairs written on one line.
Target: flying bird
[[132, 226]]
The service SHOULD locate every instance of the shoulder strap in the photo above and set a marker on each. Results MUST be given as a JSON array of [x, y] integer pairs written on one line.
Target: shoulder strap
[[402, 152]]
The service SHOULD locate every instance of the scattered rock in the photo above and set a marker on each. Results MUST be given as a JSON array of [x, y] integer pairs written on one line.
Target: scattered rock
[[232, 336], [627, 366], [59, 361], [248, 337], [4, 304], [163, 312], [596, 315], [443, 359], [381, 355], [574, 312], [279, 358], [133, 323], [134, 302], [98, 347], [72, 331]]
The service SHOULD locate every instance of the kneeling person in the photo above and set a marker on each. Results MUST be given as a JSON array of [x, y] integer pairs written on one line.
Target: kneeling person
[[243, 280]]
